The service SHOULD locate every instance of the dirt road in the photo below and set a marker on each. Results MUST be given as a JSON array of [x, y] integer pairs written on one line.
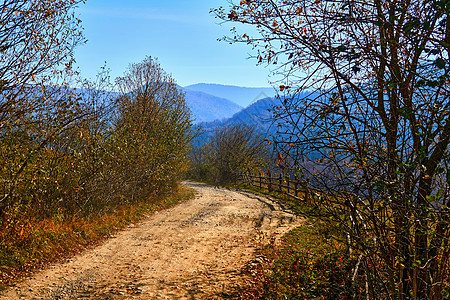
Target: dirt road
[[192, 251]]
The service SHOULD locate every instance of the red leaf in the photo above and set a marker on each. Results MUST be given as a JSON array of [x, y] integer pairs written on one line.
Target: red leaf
[[280, 157]]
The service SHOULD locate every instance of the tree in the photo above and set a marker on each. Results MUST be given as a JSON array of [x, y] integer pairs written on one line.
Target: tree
[[153, 130], [198, 165], [373, 135], [234, 150], [37, 38]]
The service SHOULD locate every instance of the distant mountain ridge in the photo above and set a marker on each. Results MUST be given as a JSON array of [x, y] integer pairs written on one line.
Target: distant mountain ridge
[[242, 96], [207, 108], [258, 114]]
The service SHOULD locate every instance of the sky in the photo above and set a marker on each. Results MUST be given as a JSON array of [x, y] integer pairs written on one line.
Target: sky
[[181, 34]]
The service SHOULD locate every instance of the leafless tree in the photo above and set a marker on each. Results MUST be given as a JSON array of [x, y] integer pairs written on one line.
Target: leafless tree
[[234, 150], [373, 134]]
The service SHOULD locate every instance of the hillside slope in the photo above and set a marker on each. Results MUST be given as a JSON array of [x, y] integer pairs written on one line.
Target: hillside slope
[[207, 108]]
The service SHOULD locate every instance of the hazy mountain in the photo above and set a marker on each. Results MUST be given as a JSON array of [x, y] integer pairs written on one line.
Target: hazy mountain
[[258, 114], [240, 95], [207, 108], [204, 107]]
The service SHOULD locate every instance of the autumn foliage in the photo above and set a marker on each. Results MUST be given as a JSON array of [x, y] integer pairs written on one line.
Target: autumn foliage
[[70, 154], [372, 135]]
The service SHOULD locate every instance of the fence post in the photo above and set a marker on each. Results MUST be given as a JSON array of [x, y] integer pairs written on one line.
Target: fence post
[[288, 183], [260, 181], [280, 181], [269, 185], [307, 193]]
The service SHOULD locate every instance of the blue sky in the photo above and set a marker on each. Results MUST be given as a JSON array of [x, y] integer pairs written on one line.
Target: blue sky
[[181, 34]]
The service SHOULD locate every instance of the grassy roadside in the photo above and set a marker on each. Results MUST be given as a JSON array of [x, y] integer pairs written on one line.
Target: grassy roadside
[[305, 265], [29, 244]]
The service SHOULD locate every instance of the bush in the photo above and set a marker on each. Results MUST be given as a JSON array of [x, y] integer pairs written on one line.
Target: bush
[[232, 151]]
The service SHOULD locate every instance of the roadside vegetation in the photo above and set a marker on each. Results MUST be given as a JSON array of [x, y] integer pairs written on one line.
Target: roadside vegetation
[[78, 158], [365, 122], [307, 263], [35, 242], [304, 265], [232, 151]]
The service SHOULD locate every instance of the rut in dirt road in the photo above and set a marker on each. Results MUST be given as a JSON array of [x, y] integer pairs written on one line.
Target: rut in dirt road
[[192, 251]]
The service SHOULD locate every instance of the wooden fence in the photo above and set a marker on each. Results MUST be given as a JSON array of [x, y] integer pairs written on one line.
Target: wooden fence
[[277, 183]]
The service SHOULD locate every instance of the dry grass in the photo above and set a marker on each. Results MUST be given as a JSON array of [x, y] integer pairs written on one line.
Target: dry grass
[[29, 243]]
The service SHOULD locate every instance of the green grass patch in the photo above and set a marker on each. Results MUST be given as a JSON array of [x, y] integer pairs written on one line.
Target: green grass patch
[[304, 266], [28, 243]]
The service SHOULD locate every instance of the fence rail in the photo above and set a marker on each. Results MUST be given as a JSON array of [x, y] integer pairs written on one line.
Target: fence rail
[[293, 188]]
